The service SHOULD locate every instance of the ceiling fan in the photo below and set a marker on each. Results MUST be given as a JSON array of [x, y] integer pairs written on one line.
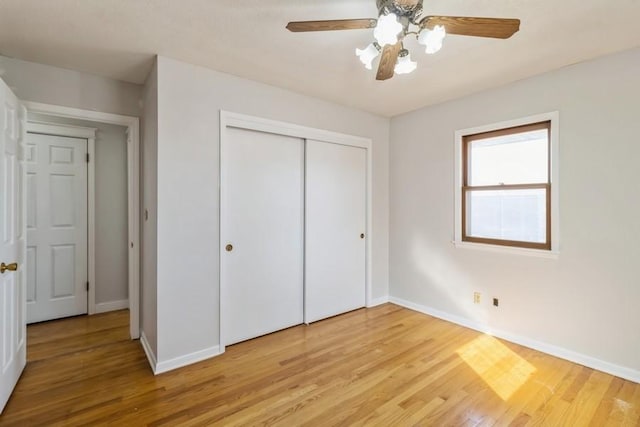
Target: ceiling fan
[[400, 18]]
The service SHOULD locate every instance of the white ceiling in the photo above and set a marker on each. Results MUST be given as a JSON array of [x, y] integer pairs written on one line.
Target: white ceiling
[[118, 38]]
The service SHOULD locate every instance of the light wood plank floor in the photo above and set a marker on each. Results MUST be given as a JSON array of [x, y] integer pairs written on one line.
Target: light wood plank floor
[[385, 366]]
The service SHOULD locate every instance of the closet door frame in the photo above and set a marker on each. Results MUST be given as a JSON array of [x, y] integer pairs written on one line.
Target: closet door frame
[[242, 121]]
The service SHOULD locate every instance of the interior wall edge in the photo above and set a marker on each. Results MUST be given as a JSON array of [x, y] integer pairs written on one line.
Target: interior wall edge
[[187, 359], [148, 351]]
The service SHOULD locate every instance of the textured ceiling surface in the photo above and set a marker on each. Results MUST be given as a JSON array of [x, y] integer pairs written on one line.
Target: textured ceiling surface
[[119, 38]]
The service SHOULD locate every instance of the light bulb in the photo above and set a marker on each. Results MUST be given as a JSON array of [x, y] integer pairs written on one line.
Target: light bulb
[[405, 65], [432, 39], [387, 29], [368, 54]]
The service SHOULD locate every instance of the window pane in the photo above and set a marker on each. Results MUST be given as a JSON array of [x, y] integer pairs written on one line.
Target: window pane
[[508, 215], [519, 158]]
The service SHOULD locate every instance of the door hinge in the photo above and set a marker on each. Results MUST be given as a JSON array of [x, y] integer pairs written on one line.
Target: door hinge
[[87, 157], [87, 285]]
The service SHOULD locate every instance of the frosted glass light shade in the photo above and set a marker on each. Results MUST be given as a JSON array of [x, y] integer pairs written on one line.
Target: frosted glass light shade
[[405, 65], [432, 39], [387, 29], [367, 55]]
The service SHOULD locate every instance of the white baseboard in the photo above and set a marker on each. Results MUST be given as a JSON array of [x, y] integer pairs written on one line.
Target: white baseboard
[[151, 357], [563, 353], [378, 301], [187, 359], [178, 362], [103, 307]]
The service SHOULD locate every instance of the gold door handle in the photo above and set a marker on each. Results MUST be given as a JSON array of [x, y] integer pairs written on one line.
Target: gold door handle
[[229, 247], [10, 267]]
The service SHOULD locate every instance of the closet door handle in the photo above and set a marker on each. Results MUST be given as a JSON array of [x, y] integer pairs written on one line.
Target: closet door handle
[[229, 247], [362, 235]]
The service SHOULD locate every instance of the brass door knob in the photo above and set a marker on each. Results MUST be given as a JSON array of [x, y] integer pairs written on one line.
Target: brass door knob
[[8, 267], [229, 247]]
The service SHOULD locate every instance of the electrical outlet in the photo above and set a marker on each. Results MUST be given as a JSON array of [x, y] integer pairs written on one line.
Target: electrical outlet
[[496, 302], [476, 297]]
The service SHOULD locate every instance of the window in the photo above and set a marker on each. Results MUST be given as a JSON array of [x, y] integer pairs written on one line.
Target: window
[[506, 186]]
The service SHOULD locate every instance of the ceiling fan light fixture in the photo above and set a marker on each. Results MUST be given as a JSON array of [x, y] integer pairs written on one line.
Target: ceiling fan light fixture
[[432, 39], [404, 65], [368, 54], [387, 29], [399, 18]]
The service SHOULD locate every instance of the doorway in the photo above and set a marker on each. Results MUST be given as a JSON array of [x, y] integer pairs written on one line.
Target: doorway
[[131, 176]]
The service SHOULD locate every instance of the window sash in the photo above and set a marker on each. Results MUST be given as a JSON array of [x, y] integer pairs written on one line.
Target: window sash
[[517, 243], [467, 140]]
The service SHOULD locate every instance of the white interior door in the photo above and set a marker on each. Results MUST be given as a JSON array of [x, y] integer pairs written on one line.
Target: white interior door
[[56, 227], [335, 227], [12, 245], [261, 233]]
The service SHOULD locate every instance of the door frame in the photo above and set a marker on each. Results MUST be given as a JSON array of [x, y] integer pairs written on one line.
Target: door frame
[[242, 121], [88, 133], [133, 190]]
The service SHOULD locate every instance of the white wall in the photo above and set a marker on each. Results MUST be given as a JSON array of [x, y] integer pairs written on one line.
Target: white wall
[[189, 101], [149, 194], [111, 207], [586, 301], [51, 85], [112, 235]]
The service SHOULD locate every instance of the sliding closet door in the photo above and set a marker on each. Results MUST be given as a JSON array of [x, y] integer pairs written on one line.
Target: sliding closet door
[[261, 233], [335, 229]]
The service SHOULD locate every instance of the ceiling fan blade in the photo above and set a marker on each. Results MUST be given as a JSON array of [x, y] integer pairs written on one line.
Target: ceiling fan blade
[[331, 25], [468, 26], [388, 61]]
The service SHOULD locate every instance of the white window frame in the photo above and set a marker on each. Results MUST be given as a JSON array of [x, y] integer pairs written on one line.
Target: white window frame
[[553, 117]]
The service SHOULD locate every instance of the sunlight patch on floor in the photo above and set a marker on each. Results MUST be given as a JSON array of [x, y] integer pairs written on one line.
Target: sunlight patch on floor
[[502, 369], [622, 406]]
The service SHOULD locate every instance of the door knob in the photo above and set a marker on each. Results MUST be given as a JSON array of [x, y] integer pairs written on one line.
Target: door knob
[[229, 247], [10, 267], [362, 235]]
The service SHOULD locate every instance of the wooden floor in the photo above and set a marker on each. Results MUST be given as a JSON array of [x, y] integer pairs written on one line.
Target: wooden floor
[[386, 366]]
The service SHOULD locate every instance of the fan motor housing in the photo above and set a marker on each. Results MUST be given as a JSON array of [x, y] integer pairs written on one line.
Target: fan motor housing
[[402, 8]]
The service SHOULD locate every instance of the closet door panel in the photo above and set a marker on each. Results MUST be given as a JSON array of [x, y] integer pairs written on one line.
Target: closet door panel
[[335, 206], [262, 233]]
